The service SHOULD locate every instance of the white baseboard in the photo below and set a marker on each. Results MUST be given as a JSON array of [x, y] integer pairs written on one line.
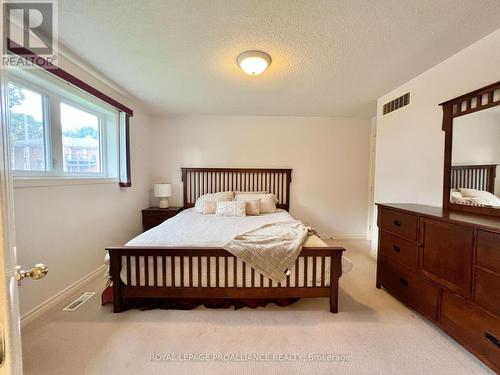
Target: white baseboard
[[42, 308], [343, 236]]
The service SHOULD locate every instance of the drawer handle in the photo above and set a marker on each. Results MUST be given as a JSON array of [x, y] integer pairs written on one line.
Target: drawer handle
[[403, 281], [396, 248], [397, 223], [492, 339]]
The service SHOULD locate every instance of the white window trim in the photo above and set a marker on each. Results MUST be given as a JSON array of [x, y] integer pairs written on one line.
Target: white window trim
[[56, 176], [29, 182]]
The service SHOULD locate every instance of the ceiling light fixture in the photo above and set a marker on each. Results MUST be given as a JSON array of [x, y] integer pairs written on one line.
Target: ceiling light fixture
[[253, 62]]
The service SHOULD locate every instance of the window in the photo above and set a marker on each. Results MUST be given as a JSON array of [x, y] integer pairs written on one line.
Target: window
[[57, 131], [27, 117], [81, 140]]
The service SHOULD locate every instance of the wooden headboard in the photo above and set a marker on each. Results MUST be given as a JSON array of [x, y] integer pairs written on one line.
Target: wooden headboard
[[480, 177], [199, 181]]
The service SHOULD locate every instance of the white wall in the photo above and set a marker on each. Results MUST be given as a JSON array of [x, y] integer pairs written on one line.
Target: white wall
[[410, 142], [329, 157], [68, 227]]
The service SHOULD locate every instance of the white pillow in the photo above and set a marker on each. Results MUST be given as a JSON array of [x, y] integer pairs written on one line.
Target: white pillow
[[481, 197], [492, 201], [215, 197], [267, 201], [231, 208], [456, 197], [475, 193]]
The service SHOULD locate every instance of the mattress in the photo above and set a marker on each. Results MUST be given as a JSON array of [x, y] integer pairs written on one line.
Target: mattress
[[192, 229]]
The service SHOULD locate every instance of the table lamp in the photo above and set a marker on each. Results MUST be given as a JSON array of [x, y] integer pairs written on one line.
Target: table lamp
[[163, 191]]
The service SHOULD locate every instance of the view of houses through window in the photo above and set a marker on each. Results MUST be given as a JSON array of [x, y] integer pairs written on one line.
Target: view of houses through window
[[38, 138], [80, 137], [27, 129]]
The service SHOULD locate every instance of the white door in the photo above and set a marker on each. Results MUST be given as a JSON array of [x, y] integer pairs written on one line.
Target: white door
[[10, 337], [371, 178]]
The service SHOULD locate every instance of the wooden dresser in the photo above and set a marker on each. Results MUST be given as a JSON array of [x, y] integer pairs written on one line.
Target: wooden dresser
[[446, 266]]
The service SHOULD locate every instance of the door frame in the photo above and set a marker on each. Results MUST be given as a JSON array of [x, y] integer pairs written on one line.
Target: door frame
[[9, 294], [371, 180]]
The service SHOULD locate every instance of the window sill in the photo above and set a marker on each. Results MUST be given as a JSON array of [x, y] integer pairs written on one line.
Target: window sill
[[27, 182]]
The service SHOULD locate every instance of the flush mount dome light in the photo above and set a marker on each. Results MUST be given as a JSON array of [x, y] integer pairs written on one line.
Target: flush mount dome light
[[253, 62]]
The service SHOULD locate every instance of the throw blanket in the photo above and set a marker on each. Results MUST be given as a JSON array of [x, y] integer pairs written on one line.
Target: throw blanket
[[271, 249]]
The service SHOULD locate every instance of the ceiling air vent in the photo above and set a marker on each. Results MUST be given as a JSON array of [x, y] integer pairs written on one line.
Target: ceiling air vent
[[397, 103]]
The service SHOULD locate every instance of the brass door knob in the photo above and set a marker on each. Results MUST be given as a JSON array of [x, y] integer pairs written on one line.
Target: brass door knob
[[36, 273]]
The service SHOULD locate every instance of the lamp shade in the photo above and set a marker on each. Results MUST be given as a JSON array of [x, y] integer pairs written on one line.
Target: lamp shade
[[163, 190]]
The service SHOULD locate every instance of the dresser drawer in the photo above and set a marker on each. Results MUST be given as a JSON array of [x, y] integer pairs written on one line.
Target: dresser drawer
[[402, 251], [477, 330], [401, 224], [488, 250], [409, 287], [487, 290]]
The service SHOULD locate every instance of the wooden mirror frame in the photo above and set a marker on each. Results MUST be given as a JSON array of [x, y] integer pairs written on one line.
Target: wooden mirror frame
[[471, 102]]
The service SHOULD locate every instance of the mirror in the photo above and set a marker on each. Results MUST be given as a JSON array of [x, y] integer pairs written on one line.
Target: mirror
[[475, 159]]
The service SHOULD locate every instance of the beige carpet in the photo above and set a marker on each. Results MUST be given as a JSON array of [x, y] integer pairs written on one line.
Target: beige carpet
[[374, 332]]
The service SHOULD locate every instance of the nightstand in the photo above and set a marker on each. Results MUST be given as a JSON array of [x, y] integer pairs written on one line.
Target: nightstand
[[153, 216]]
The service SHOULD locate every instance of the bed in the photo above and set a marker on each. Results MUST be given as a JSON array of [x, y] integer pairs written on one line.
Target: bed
[[183, 257]]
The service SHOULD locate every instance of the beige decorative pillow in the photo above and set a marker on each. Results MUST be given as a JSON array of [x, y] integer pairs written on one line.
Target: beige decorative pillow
[[209, 207], [253, 207], [214, 197], [267, 201], [231, 208]]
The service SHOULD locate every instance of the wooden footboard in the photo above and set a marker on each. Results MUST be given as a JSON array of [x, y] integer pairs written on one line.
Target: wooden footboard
[[159, 266]]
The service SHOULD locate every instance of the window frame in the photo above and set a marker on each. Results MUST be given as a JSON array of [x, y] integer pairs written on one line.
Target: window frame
[[46, 129], [103, 159], [54, 149]]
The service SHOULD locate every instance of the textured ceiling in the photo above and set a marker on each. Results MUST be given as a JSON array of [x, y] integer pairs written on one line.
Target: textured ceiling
[[330, 57]]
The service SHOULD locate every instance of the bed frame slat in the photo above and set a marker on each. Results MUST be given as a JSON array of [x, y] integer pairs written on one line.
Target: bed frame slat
[[155, 269], [129, 272], [217, 278], [208, 272], [172, 270], [226, 278], [323, 270], [297, 273], [164, 270], [315, 259], [137, 271]]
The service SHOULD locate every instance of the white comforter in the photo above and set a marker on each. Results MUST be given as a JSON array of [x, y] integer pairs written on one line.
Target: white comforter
[[192, 229]]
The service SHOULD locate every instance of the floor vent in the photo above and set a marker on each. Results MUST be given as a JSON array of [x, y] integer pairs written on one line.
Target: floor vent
[[397, 103], [79, 301]]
